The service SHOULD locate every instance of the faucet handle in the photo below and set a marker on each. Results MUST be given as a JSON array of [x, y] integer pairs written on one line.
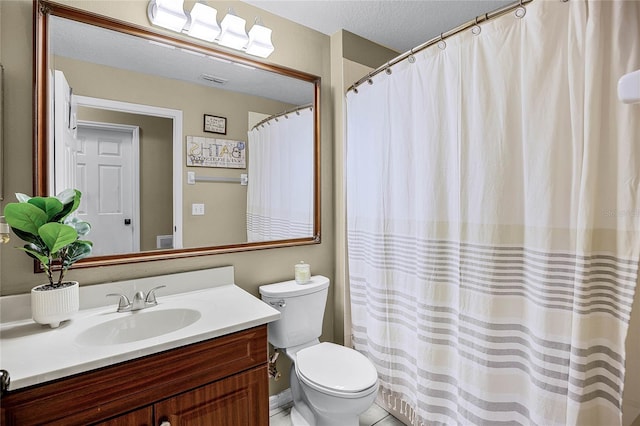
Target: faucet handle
[[151, 295], [123, 303]]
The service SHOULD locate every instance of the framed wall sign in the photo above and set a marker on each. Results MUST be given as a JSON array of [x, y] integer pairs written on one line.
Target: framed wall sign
[[209, 152], [215, 124]]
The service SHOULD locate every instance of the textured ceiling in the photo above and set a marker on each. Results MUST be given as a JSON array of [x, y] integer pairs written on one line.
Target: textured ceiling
[[397, 24]]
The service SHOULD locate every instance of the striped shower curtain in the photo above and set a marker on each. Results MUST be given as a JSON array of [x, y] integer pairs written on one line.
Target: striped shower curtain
[[493, 220], [279, 201]]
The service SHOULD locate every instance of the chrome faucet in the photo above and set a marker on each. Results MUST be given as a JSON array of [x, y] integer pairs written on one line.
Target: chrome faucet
[[140, 301]]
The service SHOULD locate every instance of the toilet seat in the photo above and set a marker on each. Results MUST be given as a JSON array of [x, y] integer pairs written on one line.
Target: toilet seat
[[336, 370]]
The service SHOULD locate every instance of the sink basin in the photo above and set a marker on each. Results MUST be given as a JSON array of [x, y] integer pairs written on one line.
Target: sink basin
[[139, 325]]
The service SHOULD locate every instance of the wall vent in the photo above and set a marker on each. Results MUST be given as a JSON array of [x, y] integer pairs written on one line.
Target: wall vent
[[213, 78], [164, 241]]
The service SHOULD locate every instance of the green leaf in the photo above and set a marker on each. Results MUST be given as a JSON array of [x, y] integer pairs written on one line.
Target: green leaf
[[36, 255], [67, 196], [76, 251], [23, 198], [30, 238], [25, 217], [57, 236], [51, 206], [81, 227], [71, 200]]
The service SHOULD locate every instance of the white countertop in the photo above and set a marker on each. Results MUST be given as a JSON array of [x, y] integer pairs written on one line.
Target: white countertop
[[34, 354]]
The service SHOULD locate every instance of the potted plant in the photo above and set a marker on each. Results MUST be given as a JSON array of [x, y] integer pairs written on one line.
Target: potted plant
[[53, 239]]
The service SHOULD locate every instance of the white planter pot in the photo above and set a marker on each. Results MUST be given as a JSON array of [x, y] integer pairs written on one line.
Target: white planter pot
[[52, 306]]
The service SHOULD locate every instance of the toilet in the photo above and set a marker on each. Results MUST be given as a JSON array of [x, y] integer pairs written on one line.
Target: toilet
[[331, 384]]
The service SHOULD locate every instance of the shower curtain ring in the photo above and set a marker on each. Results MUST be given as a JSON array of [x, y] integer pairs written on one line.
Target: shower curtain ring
[[520, 11], [442, 44], [475, 30], [369, 80], [388, 69], [412, 58]]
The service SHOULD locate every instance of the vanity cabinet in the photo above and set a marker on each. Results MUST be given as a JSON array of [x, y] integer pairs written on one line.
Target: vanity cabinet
[[226, 402], [141, 417], [222, 381]]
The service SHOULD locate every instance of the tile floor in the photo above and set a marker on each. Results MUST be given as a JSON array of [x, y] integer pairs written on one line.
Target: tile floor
[[375, 415]]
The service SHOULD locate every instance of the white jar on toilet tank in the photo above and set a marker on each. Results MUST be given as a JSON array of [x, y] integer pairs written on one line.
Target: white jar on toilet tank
[[302, 272]]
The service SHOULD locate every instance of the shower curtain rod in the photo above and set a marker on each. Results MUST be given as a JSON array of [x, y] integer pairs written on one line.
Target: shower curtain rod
[[469, 24], [289, 111]]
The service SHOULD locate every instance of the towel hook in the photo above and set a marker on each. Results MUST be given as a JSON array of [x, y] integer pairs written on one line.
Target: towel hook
[[442, 44]]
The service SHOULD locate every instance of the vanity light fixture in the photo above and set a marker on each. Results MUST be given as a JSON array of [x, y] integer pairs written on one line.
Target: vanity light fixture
[[203, 22], [233, 34], [167, 14], [259, 40]]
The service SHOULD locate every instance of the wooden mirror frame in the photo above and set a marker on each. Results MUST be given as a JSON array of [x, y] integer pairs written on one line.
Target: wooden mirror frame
[[42, 10]]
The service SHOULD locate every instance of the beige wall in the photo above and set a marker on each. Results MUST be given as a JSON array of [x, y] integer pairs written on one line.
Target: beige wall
[[297, 47]]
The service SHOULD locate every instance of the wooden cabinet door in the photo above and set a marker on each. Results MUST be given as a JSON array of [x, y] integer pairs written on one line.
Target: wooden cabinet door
[[141, 417], [240, 400]]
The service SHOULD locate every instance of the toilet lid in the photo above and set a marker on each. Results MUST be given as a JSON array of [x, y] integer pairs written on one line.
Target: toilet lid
[[336, 367]]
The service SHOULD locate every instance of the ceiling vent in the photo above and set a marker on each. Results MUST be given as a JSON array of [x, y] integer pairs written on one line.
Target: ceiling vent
[[213, 79]]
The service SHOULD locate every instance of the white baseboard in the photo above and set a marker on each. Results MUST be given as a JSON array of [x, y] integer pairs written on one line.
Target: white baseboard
[[279, 401]]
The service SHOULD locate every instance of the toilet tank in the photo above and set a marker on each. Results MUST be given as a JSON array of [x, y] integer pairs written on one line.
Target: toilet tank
[[301, 309]]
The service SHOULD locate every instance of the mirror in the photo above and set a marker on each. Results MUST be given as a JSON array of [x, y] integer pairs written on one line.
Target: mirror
[[158, 133]]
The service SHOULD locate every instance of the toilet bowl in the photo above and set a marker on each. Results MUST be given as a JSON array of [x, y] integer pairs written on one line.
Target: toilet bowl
[[336, 382], [331, 384]]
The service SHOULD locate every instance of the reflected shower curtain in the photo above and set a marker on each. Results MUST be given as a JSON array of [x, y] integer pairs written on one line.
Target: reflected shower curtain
[[280, 187], [493, 218]]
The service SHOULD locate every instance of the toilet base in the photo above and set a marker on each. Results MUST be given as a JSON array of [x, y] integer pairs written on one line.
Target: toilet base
[[297, 419]]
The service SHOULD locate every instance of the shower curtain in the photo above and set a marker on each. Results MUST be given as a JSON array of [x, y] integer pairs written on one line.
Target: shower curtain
[[493, 218], [280, 181]]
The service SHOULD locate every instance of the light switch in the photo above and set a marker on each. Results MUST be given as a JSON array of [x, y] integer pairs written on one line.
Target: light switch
[[191, 178], [197, 209]]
